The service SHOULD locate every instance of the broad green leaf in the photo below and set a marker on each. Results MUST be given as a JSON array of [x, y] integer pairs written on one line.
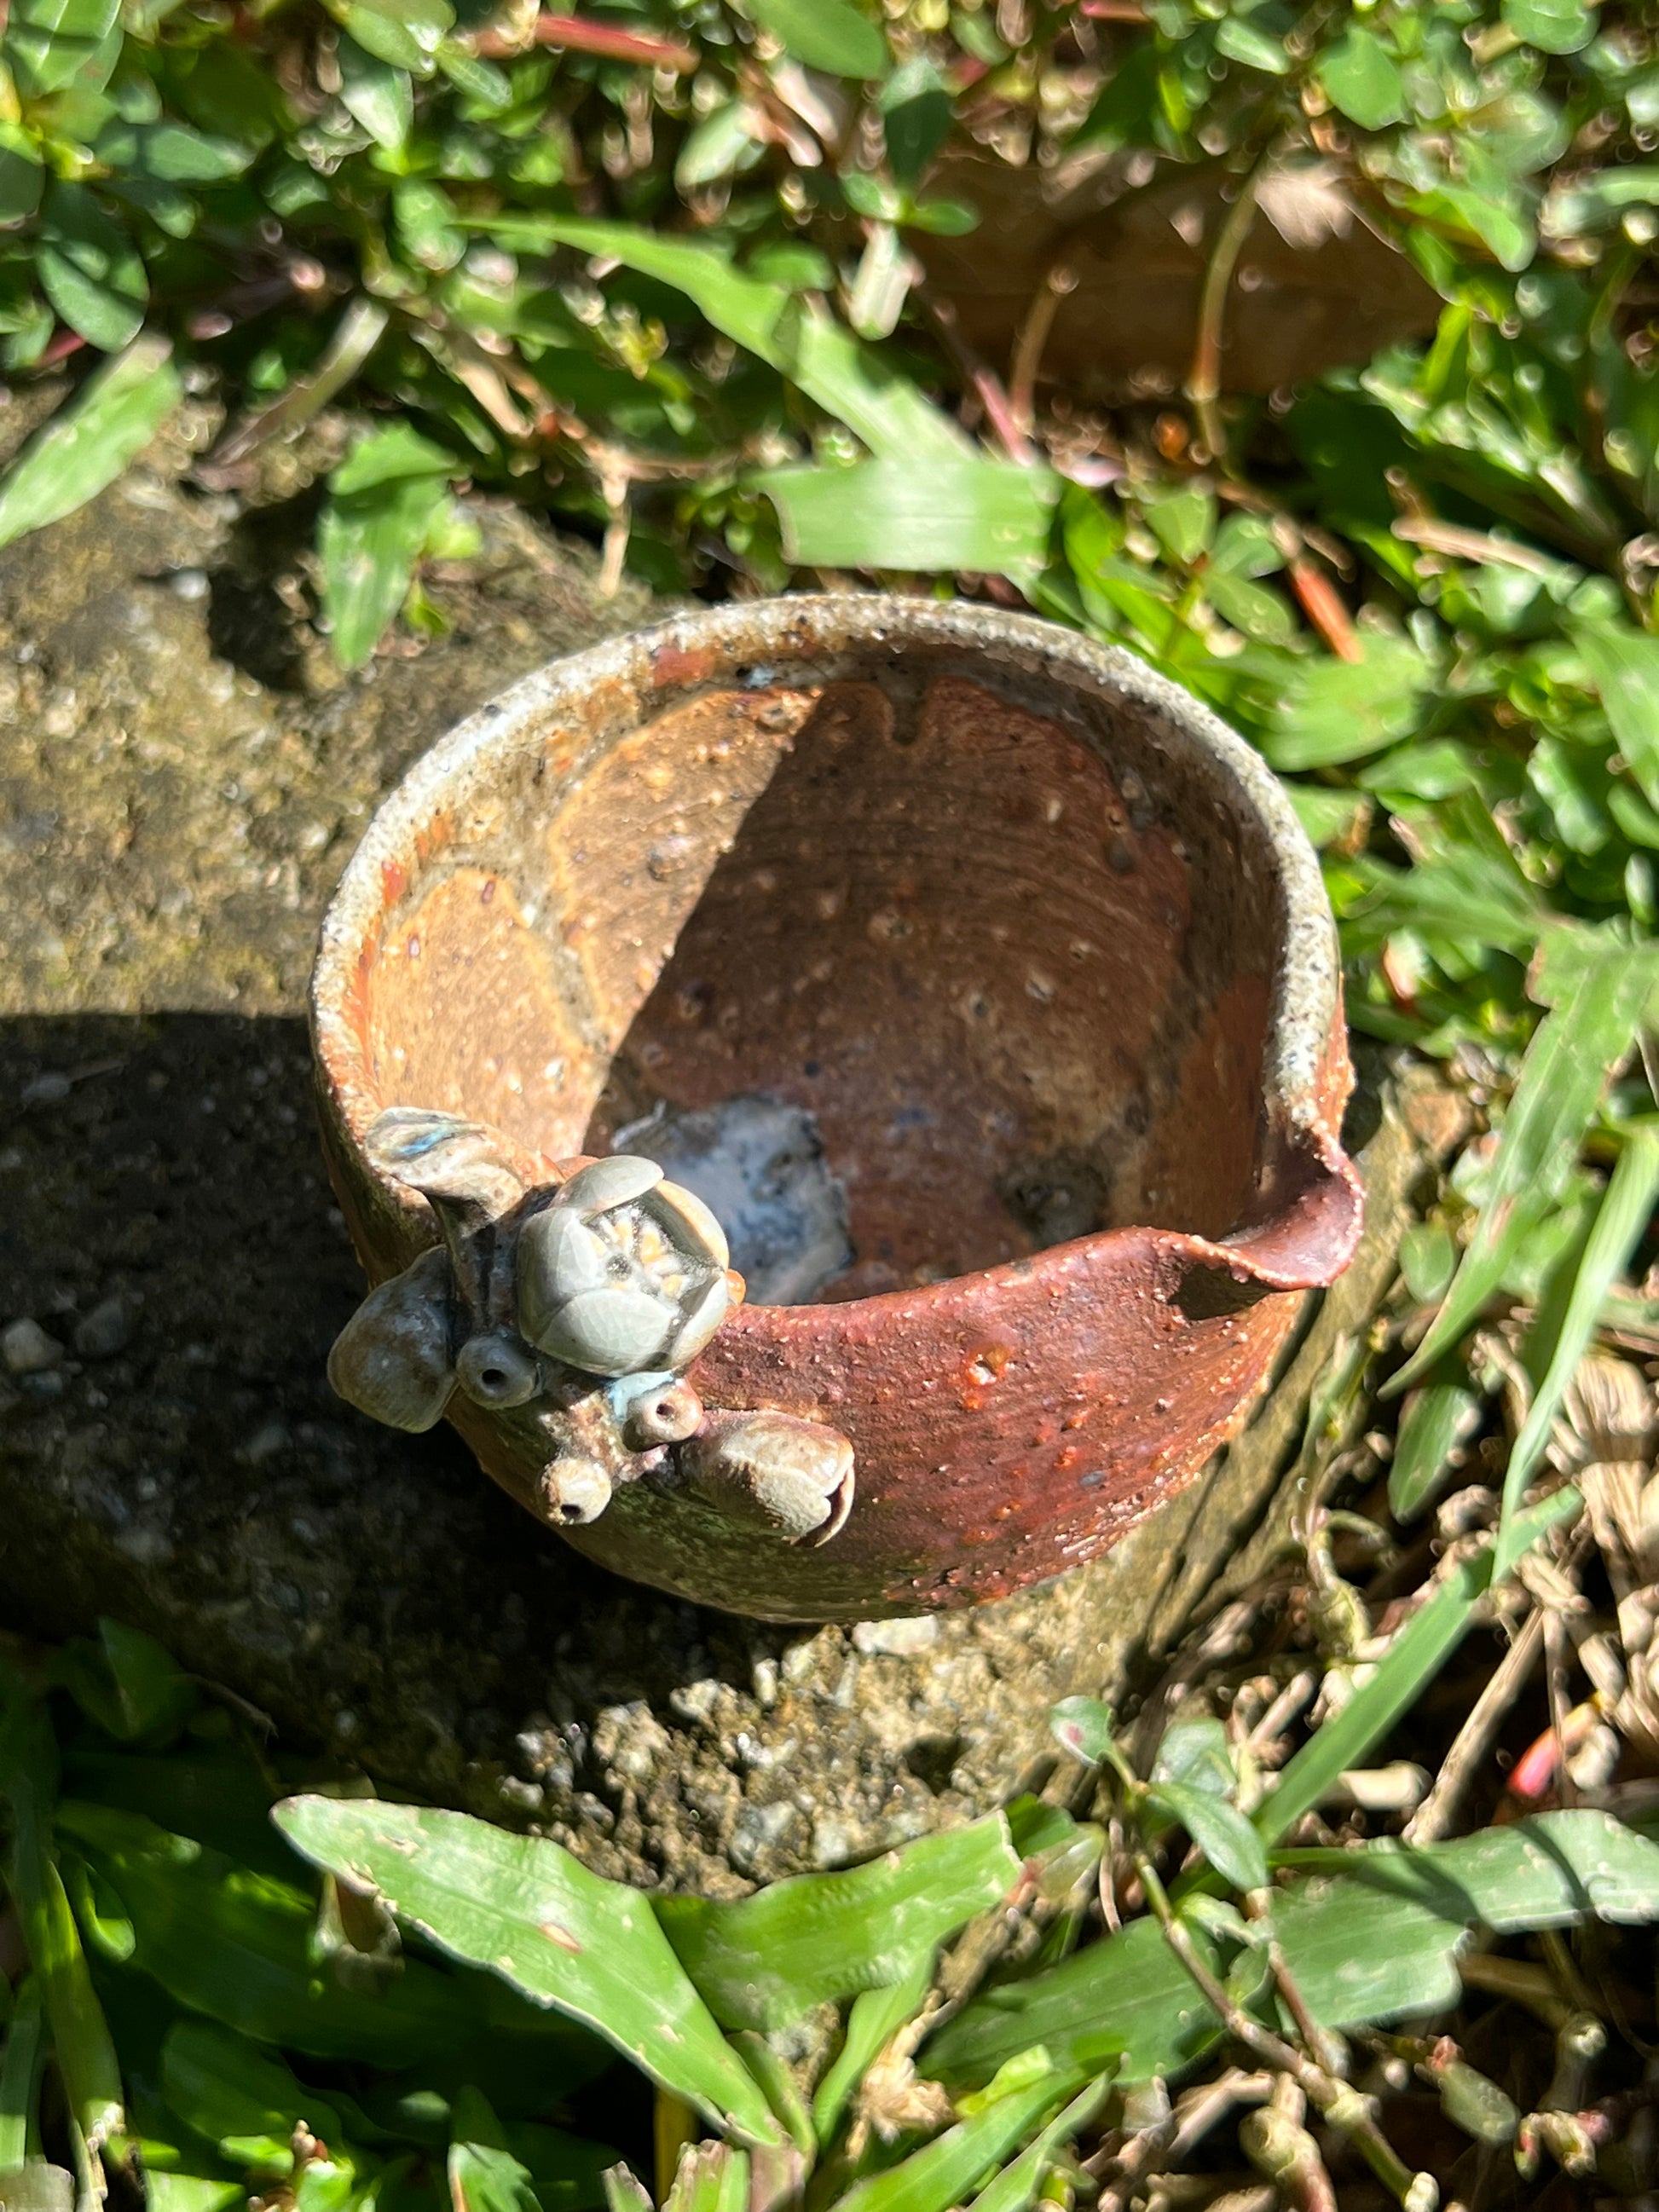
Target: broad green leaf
[[722, 143], [1336, 711], [376, 93], [238, 1946], [171, 154], [1435, 1421], [874, 2020], [1624, 666], [86, 444], [1563, 1077], [924, 513], [1220, 1831], [1621, 1220], [1084, 1727], [1555, 27], [825, 34], [240, 2098], [55, 45], [89, 269], [526, 1910], [945, 2171], [1551, 1871], [805, 345], [1127, 1996], [1362, 79], [766, 1961], [1196, 1752]]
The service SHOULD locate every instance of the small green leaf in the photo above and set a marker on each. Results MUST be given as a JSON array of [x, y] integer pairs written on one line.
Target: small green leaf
[[170, 153], [86, 445], [915, 113], [376, 93], [1336, 711], [53, 46], [89, 269], [424, 218], [1555, 27], [526, 1910], [407, 33], [1624, 666], [1196, 1753], [825, 34], [1436, 1421], [921, 513], [1084, 1727], [1362, 79], [367, 544], [1183, 521], [1241, 41], [766, 1961], [721, 144], [1220, 1831]]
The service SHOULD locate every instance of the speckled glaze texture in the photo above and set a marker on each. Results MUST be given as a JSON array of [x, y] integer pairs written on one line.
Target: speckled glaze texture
[[1034, 938]]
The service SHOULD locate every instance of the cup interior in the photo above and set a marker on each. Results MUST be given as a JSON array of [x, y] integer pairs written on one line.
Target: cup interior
[[1012, 941]]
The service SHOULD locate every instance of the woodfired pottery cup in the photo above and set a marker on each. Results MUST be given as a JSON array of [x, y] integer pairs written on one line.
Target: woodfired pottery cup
[[1034, 939]]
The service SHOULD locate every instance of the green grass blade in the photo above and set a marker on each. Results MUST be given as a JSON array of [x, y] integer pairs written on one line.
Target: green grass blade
[[1561, 1081], [523, 1908], [1623, 1216], [20, 2076], [768, 1960], [1412, 1662]]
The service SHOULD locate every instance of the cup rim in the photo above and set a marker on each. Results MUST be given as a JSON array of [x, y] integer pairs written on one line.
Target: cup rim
[[687, 652]]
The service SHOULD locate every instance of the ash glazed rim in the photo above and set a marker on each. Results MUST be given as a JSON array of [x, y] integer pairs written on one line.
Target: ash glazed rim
[[1294, 1243]]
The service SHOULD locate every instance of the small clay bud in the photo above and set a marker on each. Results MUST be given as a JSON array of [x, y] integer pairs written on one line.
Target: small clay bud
[[495, 1369], [574, 1491], [663, 1416]]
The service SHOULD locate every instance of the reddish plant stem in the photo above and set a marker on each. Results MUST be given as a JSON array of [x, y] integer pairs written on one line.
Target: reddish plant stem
[[584, 37]]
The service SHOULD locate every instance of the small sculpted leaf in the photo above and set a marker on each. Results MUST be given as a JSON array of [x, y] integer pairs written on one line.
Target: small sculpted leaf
[[825, 34], [766, 1961], [85, 446], [526, 1910], [89, 268]]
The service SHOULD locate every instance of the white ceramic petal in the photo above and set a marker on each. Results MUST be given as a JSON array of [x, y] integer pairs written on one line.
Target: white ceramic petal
[[687, 1213], [704, 1317], [609, 1332], [558, 1256], [605, 1183]]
